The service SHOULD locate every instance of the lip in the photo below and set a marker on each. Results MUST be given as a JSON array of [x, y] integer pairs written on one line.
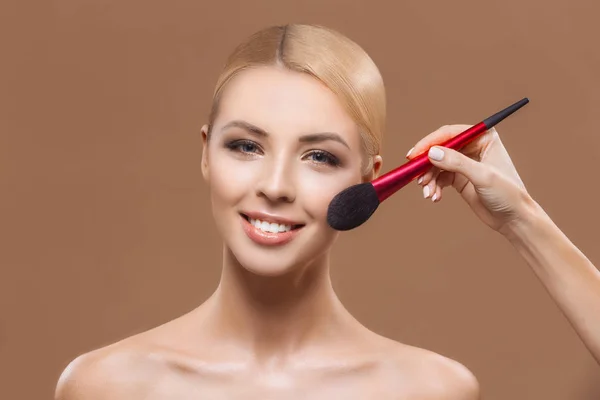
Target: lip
[[268, 238], [271, 218]]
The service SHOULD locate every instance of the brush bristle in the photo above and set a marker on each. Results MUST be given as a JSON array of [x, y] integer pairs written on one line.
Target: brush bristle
[[352, 207]]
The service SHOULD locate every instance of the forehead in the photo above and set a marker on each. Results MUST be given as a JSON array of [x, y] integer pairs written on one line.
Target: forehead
[[285, 102]]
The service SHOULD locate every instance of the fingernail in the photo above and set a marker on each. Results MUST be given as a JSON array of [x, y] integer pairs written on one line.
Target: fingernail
[[426, 191], [434, 197], [410, 151], [436, 153], [420, 179]]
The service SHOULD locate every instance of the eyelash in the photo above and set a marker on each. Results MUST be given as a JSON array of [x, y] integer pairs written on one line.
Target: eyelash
[[330, 158], [236, 145]]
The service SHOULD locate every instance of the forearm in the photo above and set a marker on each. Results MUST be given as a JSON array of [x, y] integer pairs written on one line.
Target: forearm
[[570, 278]]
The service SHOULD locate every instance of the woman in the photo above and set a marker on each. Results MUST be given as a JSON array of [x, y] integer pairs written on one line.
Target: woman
[[298, 115]]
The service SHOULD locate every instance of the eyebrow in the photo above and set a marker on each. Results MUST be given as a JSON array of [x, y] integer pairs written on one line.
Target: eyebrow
[[309, 138]]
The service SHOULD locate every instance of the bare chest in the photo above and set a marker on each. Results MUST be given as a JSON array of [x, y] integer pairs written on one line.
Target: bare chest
[[272, 386]]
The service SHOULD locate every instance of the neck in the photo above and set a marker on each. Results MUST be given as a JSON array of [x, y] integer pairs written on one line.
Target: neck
[[273, 316]]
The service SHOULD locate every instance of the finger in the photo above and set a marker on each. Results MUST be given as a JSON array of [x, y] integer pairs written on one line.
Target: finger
[[430, 186], [437, 196], [435, 191], [449, 178], [435, 138], [443, 180], [446, 178], [454, 161], [428, 176], [459, 182]]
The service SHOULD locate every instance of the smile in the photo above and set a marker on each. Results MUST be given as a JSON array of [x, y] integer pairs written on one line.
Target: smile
[[269, 232]]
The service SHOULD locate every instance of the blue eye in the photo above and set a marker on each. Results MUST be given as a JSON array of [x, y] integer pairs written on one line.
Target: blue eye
[[243, 146], [247, 147], [323, 157]]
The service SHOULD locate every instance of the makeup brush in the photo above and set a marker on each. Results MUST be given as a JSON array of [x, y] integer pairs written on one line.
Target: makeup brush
[[354, 205]]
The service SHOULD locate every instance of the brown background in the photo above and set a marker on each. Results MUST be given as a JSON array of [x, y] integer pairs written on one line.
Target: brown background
[[105, 224]]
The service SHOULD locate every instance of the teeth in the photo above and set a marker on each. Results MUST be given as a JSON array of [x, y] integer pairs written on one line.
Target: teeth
[[270, 226]]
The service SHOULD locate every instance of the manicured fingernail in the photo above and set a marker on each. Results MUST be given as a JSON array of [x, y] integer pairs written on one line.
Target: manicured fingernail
[[420, 179], [410, 151], [436, 153], [425, 191], [434, 197]]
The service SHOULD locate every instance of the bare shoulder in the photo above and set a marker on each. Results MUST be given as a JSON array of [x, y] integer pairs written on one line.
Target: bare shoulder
[[84, 376], [113, 372], [129, 369], [448, 378], [431, 376]]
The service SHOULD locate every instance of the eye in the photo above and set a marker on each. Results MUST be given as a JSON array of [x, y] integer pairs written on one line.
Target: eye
[[323, 157], [243, 146]]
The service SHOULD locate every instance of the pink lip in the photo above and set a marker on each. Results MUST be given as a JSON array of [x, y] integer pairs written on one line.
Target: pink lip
[[270, 217], [267, 238]]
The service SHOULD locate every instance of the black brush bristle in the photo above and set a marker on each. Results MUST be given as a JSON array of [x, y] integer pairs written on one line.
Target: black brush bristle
[[352, 207]]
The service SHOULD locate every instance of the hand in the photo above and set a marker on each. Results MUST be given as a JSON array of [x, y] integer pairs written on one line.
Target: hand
[[482, 172]]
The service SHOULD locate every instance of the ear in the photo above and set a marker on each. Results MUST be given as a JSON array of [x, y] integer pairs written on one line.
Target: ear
[[204, 162], [377, 163]]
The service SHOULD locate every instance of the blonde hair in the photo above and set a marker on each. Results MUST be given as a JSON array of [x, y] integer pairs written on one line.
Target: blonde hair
[[330, 57]]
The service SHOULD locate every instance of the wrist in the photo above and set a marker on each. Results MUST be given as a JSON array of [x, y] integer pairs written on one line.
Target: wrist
[[529, 215]]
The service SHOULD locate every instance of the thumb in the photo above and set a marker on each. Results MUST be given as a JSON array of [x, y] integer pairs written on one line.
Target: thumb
[[451, 160]]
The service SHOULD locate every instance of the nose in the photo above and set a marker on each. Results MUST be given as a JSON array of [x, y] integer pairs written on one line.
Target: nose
[[277, 183]]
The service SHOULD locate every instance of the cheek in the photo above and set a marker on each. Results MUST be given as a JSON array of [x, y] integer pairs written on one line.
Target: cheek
[[318, 190], [230, 180]]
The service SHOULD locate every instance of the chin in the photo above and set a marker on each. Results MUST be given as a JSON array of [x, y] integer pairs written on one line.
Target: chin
[[280, 260], [267, 268], [269, 260]]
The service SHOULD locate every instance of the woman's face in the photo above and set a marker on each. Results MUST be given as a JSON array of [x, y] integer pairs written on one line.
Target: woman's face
[[280, 149]]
